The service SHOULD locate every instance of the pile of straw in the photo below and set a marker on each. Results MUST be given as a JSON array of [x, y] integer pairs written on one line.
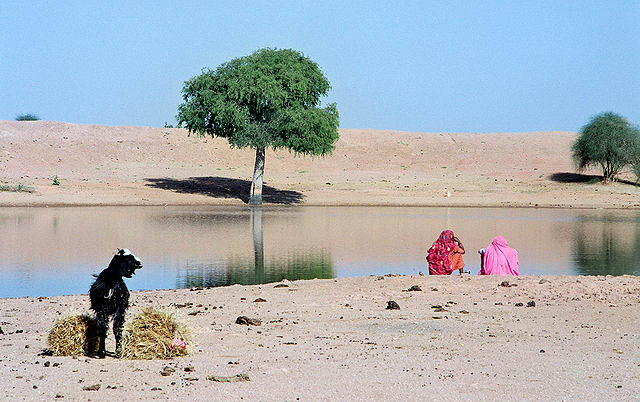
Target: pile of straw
[[74, 336], [152, 335]]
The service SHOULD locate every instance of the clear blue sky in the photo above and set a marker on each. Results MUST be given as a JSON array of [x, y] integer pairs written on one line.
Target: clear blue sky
[[474, 66]]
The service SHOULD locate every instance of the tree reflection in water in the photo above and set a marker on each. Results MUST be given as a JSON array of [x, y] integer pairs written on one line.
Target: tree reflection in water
[[606, 249], [292, 267], [299, 265]]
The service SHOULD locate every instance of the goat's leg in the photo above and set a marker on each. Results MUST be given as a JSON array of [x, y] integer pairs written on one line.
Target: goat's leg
[[102, 321], [118, 324]]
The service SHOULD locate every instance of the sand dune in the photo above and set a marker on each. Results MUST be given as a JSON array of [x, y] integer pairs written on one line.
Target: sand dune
[[100, 165]]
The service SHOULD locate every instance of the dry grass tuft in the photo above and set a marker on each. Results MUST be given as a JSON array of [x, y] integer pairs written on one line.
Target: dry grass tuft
[[150, 334], [74, 336]]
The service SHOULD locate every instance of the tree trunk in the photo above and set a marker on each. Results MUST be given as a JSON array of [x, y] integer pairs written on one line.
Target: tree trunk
[[256, 184]]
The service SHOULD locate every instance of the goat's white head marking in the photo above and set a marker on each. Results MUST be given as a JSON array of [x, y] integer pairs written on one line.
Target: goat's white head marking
[[125, 251]]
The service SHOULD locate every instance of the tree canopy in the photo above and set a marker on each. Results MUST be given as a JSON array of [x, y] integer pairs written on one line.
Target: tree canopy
[[270, 98], [608, 140], [267, 99], [27, 117]]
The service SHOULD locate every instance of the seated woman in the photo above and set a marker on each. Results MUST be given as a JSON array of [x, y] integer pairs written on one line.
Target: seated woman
[[499, 259], [445, 255]]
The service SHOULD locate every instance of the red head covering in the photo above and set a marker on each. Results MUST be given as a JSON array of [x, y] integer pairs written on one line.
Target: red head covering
[[438, 257]]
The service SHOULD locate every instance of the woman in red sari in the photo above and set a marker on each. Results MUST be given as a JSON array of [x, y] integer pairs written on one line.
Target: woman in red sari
[[445, 255]]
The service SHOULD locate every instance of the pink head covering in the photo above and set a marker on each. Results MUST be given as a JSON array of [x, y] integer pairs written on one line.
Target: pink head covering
[[438, 257], [500, 259]]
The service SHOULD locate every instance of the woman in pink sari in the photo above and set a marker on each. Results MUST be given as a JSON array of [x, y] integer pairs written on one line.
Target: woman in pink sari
[[499, 259], [445, 255]]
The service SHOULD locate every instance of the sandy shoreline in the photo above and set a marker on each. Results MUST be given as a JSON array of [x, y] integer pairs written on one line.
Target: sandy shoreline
[[334, 340], [100, 165]]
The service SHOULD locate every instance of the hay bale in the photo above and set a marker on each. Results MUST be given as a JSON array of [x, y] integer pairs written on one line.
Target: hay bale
[[74, 336], [153, 335]]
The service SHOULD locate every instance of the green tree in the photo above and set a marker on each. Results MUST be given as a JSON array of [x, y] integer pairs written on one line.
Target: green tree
[[608, 140], [270, 98], [27, 117]]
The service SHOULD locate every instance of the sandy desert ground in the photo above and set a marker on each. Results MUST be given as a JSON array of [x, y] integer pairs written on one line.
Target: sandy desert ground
[[100, 165], [333, 339]]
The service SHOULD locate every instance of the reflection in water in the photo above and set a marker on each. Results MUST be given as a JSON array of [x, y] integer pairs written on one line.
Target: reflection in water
[[241, 271], [307, 265], [54, 251], [601, 248], [258, 246]]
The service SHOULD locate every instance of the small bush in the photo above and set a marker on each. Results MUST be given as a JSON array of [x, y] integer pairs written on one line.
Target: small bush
[[27, 117], [16, 188]]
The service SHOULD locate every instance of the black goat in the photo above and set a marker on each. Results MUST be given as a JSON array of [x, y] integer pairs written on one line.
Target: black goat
[[110, 297]]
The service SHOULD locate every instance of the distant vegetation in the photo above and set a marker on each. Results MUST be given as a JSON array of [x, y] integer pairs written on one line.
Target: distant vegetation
[[608, 141], [16, 188], [27, 117]]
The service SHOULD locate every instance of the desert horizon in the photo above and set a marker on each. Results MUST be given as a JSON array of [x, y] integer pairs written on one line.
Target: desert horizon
[[102, 165]]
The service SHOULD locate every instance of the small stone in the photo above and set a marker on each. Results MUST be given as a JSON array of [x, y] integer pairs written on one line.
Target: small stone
[[505, 284], [420, 273], [392, 305], [543, 281], [531, 303], [189, 369], [259, 300], [59, 396], [236, 378], [1, 331], [156, 389], [434, 289], [519, 304], [167, 371], [464, 312], [542, 351], [243, 320], [414, 288], [94, 387], [47, 363], [281, 285]]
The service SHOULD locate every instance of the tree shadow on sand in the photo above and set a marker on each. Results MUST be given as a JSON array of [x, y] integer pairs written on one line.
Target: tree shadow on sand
[[566, 177], [224, 187]]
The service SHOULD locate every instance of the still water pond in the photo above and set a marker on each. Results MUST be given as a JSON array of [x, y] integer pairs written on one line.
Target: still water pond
[[54, 251]]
